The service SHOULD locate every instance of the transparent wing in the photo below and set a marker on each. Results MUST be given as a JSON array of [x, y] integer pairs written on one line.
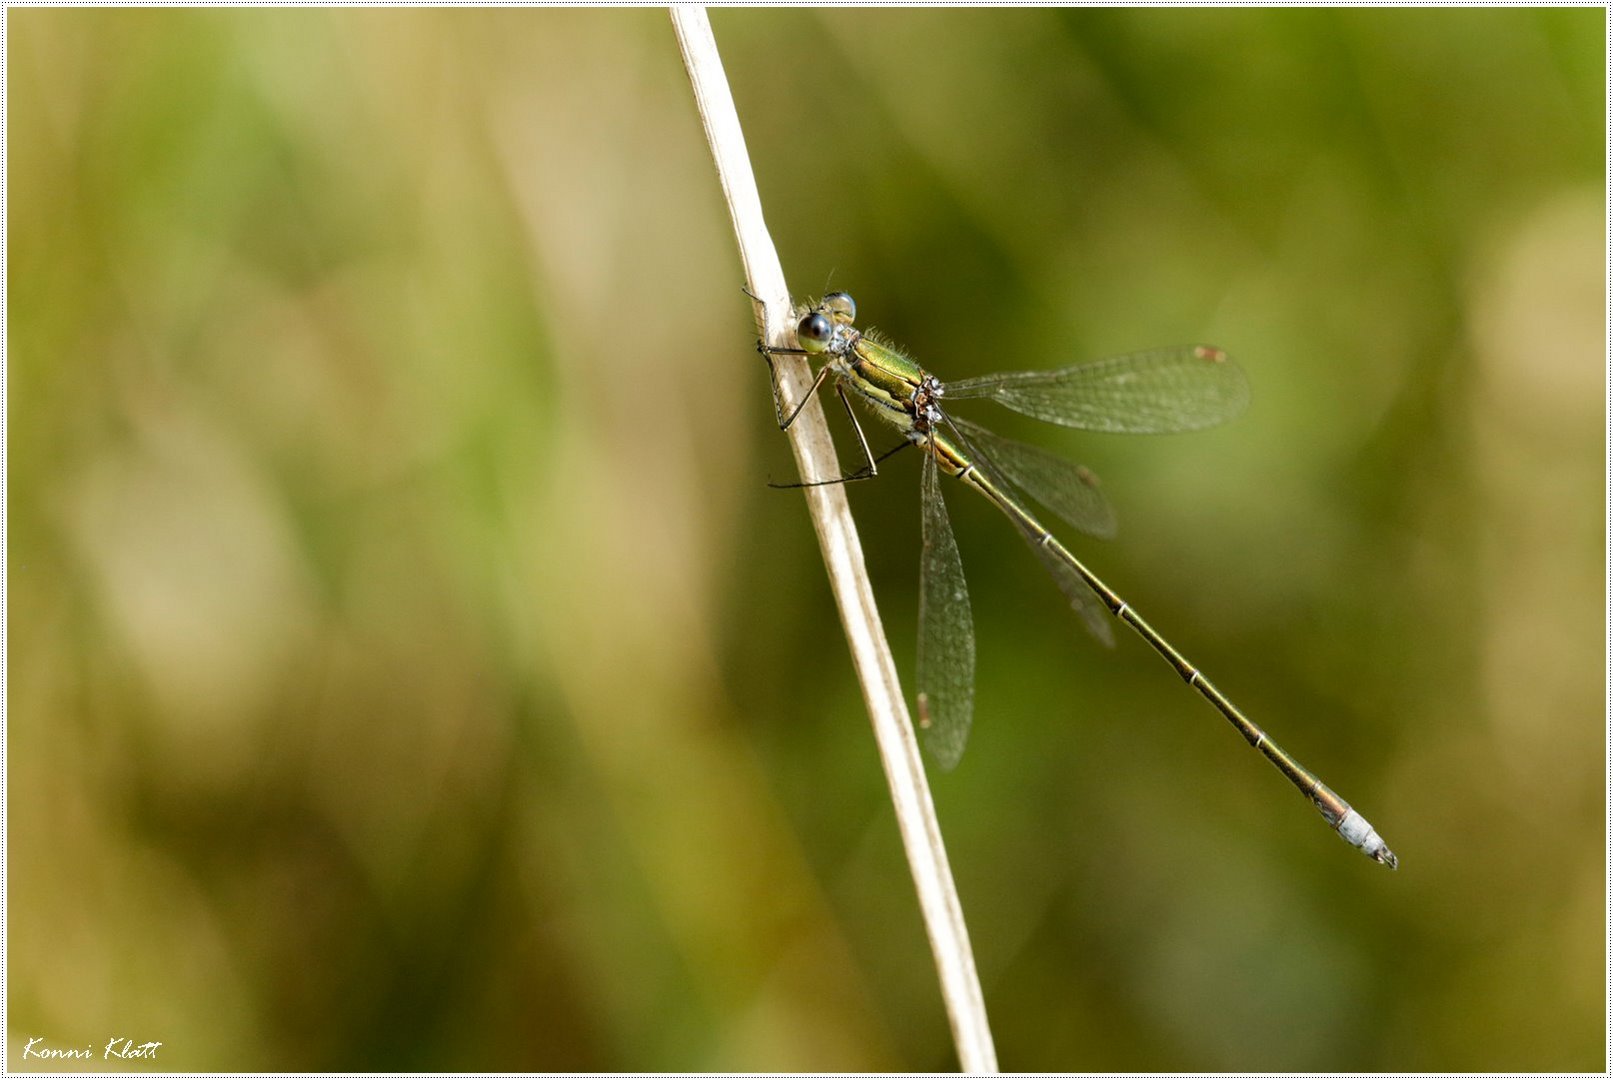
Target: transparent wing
[[1080, 595], [1182, 388], [1069, 490], [1094, 615], [946, 644]]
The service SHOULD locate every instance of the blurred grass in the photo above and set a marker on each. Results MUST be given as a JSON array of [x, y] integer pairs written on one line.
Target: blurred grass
[[410, 670]]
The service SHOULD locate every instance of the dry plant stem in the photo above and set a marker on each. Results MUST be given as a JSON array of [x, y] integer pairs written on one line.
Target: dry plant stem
[[842, 556]]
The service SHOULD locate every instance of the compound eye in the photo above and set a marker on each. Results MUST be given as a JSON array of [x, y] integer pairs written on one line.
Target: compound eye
[[814, 332], [840, 306]]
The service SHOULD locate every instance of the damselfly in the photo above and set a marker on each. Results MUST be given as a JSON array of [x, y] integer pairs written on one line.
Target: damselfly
[[1174, 389]]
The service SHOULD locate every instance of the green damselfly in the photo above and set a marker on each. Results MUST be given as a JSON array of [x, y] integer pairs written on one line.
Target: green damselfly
[[1160, 390]]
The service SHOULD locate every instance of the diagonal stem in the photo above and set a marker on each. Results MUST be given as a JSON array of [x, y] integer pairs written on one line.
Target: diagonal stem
[[842, 556]]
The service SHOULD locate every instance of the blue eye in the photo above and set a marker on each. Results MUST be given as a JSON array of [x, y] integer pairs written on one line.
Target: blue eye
[[840, 306], [814, 332]]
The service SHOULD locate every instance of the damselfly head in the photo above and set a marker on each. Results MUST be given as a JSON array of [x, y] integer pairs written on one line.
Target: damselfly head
[[817, 329]]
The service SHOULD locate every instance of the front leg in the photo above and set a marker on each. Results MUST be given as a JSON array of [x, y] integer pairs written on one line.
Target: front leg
[[784, 422]]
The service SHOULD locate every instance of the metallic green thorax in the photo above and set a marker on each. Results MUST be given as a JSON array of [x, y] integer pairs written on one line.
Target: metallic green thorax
[[908, 397], [883, 377]]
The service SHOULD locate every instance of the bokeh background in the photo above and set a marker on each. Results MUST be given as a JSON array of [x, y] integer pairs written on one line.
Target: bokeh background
[[410, 669]]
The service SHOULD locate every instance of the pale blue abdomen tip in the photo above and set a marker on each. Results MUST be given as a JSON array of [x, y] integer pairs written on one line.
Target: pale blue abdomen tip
[[1360, 833]]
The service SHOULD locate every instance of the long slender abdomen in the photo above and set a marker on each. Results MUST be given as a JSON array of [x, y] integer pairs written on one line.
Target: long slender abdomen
[[1335, 811]]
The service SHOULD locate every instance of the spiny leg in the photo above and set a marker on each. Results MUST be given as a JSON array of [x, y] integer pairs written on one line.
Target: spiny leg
[[784, 422], [870, 468], [767, 352]]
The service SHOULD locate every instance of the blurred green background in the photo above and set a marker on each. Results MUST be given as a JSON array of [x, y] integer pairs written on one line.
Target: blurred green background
[[410, 668]]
